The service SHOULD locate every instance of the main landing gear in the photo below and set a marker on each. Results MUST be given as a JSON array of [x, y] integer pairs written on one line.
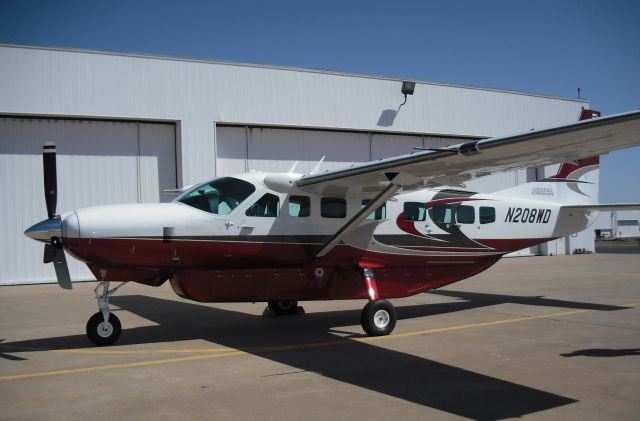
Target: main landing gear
[[378, 317], [103, 328]]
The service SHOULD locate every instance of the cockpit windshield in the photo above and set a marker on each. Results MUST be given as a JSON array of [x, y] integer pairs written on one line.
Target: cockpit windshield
[[219, 196]]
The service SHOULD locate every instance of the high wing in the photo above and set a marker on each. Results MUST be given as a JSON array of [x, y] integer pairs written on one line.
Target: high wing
[[456, 164]]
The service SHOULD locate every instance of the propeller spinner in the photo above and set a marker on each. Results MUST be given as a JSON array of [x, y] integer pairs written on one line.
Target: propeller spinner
[[50, 230]]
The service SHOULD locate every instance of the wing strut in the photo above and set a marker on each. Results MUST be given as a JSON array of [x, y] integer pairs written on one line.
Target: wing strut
[[388, 192]]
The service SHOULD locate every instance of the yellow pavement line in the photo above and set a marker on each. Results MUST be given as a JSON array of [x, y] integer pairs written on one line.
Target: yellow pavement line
[[246, 351], [114, 366], [483, 324], [141, 351], [474, 325]]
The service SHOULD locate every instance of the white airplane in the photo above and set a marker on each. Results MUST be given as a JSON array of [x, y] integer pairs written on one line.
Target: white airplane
[[383, 229]]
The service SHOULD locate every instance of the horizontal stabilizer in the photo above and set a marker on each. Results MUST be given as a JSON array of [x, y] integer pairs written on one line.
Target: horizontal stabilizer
[[606, 207]]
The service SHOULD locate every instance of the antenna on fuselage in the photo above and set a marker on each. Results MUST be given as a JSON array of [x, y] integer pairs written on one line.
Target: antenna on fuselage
[[317, 167]]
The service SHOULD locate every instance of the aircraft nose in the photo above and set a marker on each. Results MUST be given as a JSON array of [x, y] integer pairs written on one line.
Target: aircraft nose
[[45, 230], [66, 225]]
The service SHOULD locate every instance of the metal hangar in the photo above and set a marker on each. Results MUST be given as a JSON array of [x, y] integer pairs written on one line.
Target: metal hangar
[[130, 126]]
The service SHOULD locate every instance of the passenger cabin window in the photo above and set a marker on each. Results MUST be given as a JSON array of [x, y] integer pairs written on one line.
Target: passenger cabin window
[[379, 214], [414, 211], [268, 206], [333, 207], [299, 206], [219, 196], [442, 214], [487, 214], [465, 214]]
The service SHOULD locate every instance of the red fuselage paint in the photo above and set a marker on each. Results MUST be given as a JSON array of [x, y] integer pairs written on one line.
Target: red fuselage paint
[[234, 271]]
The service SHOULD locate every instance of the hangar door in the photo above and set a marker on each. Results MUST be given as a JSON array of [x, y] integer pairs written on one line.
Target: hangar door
[[99, 162], [245, 148]]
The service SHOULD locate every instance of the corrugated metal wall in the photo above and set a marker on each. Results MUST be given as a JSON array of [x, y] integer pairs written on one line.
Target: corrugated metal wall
[[245, 148], [99, 162], [199, 94]]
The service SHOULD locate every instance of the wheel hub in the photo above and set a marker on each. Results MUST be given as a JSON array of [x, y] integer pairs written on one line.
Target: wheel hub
[[381, 319], [105, 329]]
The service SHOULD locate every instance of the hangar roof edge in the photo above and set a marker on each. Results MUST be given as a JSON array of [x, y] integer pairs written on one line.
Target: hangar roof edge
[[286, 68]]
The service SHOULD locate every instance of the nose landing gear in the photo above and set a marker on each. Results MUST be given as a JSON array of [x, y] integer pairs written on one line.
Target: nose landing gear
[[103, 328]]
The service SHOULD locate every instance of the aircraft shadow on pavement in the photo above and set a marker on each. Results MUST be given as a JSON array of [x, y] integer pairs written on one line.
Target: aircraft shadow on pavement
[[603, 352], [481, 299], [393, 373]]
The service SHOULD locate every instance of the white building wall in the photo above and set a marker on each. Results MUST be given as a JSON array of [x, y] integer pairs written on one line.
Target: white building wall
[[610, 221], [42, 81]]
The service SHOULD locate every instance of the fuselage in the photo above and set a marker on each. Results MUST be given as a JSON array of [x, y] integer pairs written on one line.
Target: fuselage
[[255, 238]]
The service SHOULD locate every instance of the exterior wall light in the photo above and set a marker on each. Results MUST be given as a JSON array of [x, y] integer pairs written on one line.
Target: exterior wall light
[[407, 89]]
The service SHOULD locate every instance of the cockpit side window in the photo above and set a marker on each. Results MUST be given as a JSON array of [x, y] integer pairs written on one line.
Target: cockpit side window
[[219, 196]]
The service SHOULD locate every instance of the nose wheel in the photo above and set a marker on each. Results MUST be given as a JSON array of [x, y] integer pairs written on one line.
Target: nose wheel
[[101, 332]]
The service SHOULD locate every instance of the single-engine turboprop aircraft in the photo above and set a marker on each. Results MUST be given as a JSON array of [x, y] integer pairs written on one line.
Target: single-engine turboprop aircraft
[[383, 229]]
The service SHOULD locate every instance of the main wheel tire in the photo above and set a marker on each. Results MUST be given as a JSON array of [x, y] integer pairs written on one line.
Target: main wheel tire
[[283, 307], [378, 318], [101, 333]]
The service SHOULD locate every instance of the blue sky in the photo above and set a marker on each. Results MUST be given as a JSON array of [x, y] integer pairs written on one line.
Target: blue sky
[[546, 47]]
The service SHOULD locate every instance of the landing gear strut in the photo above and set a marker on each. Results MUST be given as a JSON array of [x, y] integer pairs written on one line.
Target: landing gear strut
[[103, 328], [378, 317]]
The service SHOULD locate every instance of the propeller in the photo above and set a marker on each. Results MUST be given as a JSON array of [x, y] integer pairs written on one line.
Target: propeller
[[53, 251], [60, 264]]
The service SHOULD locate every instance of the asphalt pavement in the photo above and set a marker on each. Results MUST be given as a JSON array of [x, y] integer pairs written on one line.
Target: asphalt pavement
[[537, 338]]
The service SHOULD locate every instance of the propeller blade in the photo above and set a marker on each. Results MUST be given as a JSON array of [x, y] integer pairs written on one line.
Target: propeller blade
[[60, 264], [48, 254], [50, 177]]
